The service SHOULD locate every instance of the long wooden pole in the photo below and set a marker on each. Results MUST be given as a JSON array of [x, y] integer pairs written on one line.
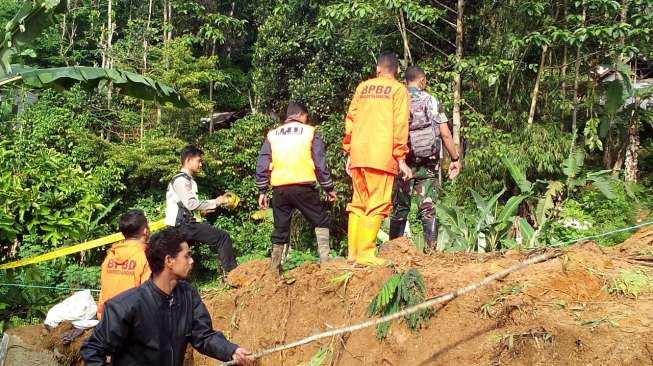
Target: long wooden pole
[[425, 305]]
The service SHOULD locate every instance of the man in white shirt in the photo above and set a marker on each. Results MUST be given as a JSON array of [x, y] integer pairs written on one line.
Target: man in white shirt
[[182, 203]]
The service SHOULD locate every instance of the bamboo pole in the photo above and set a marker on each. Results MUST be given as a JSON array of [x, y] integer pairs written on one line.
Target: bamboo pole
[[425, 305]]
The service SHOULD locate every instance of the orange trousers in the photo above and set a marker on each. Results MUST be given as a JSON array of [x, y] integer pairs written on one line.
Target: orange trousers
[[372, 192]]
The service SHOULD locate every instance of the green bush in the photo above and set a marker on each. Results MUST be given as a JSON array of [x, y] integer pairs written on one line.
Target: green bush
[[591, 213]]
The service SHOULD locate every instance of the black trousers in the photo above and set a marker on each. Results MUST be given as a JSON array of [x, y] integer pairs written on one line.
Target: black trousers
[[204, 233], [285, 199]]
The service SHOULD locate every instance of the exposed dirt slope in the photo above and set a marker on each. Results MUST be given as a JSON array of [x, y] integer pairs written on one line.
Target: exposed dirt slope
[[559, 312]]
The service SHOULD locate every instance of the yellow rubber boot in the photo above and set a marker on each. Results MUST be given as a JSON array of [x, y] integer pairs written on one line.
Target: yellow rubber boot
[[368, 227], [352, 237]]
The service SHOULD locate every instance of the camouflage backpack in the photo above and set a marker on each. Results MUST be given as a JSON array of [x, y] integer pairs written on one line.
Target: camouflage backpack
[[423, 134]]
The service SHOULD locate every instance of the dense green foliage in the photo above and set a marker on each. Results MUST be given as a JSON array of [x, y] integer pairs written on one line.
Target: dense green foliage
[[71, 161]]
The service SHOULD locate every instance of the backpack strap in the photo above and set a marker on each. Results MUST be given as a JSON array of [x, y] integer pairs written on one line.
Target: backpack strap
[[184, 215], [177, 176]]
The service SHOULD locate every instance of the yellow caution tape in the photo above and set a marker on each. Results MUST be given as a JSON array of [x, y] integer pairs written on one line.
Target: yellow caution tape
[[110, 239]]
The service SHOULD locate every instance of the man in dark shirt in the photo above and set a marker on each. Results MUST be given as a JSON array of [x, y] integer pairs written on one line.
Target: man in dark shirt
[[152, 324]]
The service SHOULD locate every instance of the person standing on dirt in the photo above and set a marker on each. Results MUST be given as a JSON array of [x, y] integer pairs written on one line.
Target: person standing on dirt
[[291, 160], [376, 142], [182, 203], [428, 131], [125, 265], [152, 324]]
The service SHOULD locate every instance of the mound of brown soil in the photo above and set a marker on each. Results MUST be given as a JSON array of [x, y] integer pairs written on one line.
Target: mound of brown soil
[[68, 354], [558, 312]]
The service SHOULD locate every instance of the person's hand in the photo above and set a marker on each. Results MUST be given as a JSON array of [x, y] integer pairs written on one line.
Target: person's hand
[[405, 170], [454, 169], [241, 356], [220, 200], [348, 166], [331, 196], [263, 201]]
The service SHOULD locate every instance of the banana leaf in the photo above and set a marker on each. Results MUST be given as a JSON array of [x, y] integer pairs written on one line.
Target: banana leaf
[[28, 24], [128, 83]]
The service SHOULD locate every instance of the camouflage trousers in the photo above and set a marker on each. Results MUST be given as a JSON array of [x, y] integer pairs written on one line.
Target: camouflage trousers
[[424, 186]]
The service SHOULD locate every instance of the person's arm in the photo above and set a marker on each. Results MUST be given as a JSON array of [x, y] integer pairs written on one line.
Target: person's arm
[[108, 335], [318, 152], [447, 140], [206, 340], [349, 120], [263, 167], [400, 115], [184, 189]]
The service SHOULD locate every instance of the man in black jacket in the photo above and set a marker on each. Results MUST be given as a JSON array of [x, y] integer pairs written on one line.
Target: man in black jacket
[[152, 324]]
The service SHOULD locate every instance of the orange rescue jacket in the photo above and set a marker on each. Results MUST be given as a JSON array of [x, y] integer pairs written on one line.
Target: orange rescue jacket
[[376, 125], [292, 161], [124, 267]]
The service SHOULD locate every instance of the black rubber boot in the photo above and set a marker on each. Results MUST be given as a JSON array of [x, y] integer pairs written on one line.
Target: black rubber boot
[[397, 228], [430, 227]]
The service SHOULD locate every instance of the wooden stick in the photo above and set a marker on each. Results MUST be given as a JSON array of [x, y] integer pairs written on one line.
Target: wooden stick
[[426, 304]]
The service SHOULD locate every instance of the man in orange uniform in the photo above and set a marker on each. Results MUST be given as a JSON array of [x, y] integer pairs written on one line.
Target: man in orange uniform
[[126, 265], [376, 141]]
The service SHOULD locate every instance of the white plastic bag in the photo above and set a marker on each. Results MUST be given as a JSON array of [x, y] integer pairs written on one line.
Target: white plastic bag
[[80, 309]]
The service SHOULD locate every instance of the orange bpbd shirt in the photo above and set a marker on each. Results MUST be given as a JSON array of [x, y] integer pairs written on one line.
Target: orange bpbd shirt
[[124, 267], [376, 126]]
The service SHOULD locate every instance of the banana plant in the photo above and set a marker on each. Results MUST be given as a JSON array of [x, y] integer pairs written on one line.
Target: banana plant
[[30, 21], [549, 194], [490, 222]]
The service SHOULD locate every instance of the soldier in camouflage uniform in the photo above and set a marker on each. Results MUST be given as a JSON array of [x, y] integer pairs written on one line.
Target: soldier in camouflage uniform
[[428, 132]]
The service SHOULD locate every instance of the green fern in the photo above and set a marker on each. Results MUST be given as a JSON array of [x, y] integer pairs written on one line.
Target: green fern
[[412, 292], [385, 295], [401, 290]]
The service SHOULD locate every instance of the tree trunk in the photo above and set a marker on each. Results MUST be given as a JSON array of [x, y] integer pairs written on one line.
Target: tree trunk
[[147, 33], [109, 62], [145, 45], [165, 20], [401, 24], [632, 151], [457, 79], [169, 20], [536, 88], [563, 87], [63, 36], [109, 32], [563, 70], [231, 15], [574, 116], [211, 86], [621, 156]]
